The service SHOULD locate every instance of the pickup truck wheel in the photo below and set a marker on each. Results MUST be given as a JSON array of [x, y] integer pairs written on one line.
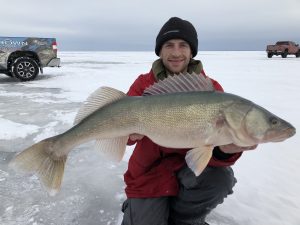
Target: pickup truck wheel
[[25, 69], [270, 55], [284, 54]]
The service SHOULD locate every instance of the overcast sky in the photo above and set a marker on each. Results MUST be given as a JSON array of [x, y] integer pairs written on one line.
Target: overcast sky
[[134, 24]]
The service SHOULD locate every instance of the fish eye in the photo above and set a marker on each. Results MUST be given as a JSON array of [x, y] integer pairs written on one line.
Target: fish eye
[[274, 121]]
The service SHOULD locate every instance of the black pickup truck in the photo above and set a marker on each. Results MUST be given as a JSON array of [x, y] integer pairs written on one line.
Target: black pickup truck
[[24, 57]]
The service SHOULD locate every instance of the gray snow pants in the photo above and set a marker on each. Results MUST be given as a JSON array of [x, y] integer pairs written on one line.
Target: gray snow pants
[[196, 198]]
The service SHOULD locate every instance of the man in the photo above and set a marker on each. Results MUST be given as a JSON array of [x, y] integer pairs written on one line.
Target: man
[[161, 189]]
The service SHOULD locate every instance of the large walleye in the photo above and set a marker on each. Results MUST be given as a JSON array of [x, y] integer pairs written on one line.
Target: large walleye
[[181, 111]]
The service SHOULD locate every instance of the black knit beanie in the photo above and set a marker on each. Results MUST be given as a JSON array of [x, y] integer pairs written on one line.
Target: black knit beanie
[[176, 28]]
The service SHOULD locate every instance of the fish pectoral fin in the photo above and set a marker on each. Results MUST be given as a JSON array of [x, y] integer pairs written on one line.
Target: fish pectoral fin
[[198, 158], [113, 149]]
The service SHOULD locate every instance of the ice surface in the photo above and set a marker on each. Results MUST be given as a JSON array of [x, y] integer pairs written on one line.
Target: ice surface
[[268, 188]]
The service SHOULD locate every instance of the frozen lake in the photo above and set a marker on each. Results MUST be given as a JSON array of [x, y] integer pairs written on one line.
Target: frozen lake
[[268, 188]]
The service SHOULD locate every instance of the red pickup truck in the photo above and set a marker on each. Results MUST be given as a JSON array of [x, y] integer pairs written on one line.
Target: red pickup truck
[[283, 48]]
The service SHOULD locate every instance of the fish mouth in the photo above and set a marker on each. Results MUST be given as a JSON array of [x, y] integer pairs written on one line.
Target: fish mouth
[[285, 134], [292, 131]]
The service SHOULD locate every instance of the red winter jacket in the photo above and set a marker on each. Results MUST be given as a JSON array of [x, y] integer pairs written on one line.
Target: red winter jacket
[[151, 168]]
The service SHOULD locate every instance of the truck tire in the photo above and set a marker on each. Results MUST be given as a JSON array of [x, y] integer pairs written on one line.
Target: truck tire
[[25, 69], [298, 54], [284, 54], [270, 55]]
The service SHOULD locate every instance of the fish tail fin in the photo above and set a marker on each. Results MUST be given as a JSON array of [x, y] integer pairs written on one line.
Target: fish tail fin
[[198, 158], [39, 159]]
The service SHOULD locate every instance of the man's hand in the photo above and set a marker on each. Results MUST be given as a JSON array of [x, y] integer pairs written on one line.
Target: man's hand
[[232, 148], [136, 137]]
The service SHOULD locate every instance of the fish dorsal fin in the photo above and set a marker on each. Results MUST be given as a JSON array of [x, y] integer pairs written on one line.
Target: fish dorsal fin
[[99, 98], [180, 83]]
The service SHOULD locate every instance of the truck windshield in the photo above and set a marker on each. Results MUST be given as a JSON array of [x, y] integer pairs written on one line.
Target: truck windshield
[[282, 43]]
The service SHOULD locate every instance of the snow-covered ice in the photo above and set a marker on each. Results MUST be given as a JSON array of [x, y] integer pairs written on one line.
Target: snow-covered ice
[[268, 188]]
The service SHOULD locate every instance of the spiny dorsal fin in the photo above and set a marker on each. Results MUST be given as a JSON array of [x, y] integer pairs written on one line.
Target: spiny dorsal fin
[[101, 97], [180, 83]]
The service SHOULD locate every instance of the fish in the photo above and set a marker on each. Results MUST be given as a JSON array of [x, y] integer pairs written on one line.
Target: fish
[[181, 111]]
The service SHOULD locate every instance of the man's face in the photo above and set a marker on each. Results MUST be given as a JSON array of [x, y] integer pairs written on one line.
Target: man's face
[[176, 55]]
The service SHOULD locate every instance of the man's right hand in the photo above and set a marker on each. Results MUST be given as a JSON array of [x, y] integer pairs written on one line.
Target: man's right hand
[[136, 137]]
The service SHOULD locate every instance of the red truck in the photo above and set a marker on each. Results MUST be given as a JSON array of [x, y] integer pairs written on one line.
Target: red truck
[[283, 48]]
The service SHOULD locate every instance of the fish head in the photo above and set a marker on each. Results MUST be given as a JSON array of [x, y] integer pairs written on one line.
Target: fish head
[[250, 124], [263, 126]]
